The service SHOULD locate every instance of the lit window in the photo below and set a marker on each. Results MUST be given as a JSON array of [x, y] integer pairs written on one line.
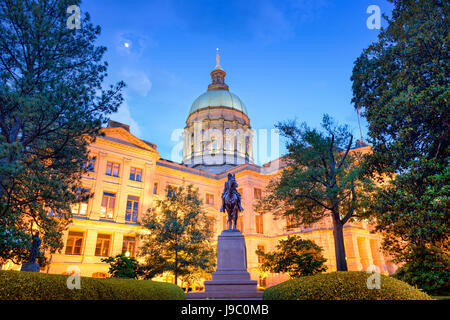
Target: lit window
[[263, 249], [172, 191], [132, 209], [136, 174], [74, 243], [257, 193], [209, 199], [108, 203], [102, 245], [112, 169], [90, 164], [129, 245], [80, 208], [259, 224]]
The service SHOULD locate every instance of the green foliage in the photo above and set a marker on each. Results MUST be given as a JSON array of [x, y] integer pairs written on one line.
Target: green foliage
[[401, 84], [428, 269], [342, 286], [16, 285], [178, 240], [52, 106], [322, 176], [122, 266], [295, 256]]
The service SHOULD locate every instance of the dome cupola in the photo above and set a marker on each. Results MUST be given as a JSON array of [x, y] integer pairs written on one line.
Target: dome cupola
[[217, 135]]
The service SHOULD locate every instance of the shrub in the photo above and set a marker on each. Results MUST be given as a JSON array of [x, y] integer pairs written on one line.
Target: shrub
[[295, 256], [15, 285], [122, 266], [342, 286]]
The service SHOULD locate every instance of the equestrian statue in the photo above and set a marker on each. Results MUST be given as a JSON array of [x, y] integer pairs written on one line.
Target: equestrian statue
[[231, 201]]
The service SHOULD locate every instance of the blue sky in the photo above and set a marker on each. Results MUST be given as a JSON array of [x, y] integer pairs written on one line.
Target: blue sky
[[284, 59]]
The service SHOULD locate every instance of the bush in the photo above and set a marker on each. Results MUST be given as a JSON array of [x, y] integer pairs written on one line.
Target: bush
[[15, 285], [342, 286]]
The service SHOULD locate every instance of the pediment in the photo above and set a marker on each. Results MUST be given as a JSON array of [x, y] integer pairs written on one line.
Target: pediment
[[121, 136]]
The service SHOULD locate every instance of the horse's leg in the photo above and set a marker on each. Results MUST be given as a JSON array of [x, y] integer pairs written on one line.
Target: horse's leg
[[235, 217]]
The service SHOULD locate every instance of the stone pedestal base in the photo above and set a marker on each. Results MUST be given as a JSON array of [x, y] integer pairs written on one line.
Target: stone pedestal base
[[231, 279], [30, 266]]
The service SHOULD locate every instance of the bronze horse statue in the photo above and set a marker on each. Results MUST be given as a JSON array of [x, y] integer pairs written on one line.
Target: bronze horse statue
[[231, 202]]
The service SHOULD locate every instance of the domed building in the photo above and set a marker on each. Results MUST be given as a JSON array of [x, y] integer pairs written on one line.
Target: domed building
[[218, 135], [127, 178]]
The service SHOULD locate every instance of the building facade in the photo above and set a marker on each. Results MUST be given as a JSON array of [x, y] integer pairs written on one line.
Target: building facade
[[127, 176]]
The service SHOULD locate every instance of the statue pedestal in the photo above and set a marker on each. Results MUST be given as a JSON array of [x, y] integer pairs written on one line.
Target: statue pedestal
[[30, 266], [231, 279]]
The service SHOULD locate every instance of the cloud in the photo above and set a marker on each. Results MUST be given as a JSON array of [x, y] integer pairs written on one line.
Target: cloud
[[123, 115], [137, 81], [278, 20]]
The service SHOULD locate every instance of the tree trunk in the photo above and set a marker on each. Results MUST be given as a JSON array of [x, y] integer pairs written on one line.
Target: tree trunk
[[341, 261], [175, 271]]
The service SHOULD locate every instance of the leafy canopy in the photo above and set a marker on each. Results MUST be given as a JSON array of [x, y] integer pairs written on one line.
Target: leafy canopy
[[178, 238], [52, 106], [295, 256]]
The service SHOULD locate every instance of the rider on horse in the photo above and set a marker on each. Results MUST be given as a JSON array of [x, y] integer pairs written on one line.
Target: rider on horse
[[231, 185]]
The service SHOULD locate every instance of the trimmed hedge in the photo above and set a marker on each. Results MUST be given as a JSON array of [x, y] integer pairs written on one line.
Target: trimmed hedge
[[341, 285], [19, 285]]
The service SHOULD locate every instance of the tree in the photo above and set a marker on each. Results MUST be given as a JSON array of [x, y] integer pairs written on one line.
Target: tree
[[52, 105], [295, 256], [178, 238], [321, 179], [122, 266], [401, 85]]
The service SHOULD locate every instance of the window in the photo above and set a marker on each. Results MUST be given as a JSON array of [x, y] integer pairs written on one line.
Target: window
[[203, 145], [112, 169], [192, 148], [74, 242], [209, 199], [132, 209], [263, 249], [259, 224], [129, 245], [108, 203], [257, 193], [155, 188], [262, 281], [90, 164], [214, 145], [103, 244], [172, 191], [211, 221], [136, 174], [228, 145], [290, 224], [238, 148], [80, 208]]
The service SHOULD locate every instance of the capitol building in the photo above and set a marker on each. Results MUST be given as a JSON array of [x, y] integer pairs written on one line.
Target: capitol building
[[127, 176]]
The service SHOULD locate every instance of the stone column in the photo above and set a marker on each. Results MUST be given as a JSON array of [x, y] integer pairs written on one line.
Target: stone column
[[98, 188], [352, 252], [121, 197]]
